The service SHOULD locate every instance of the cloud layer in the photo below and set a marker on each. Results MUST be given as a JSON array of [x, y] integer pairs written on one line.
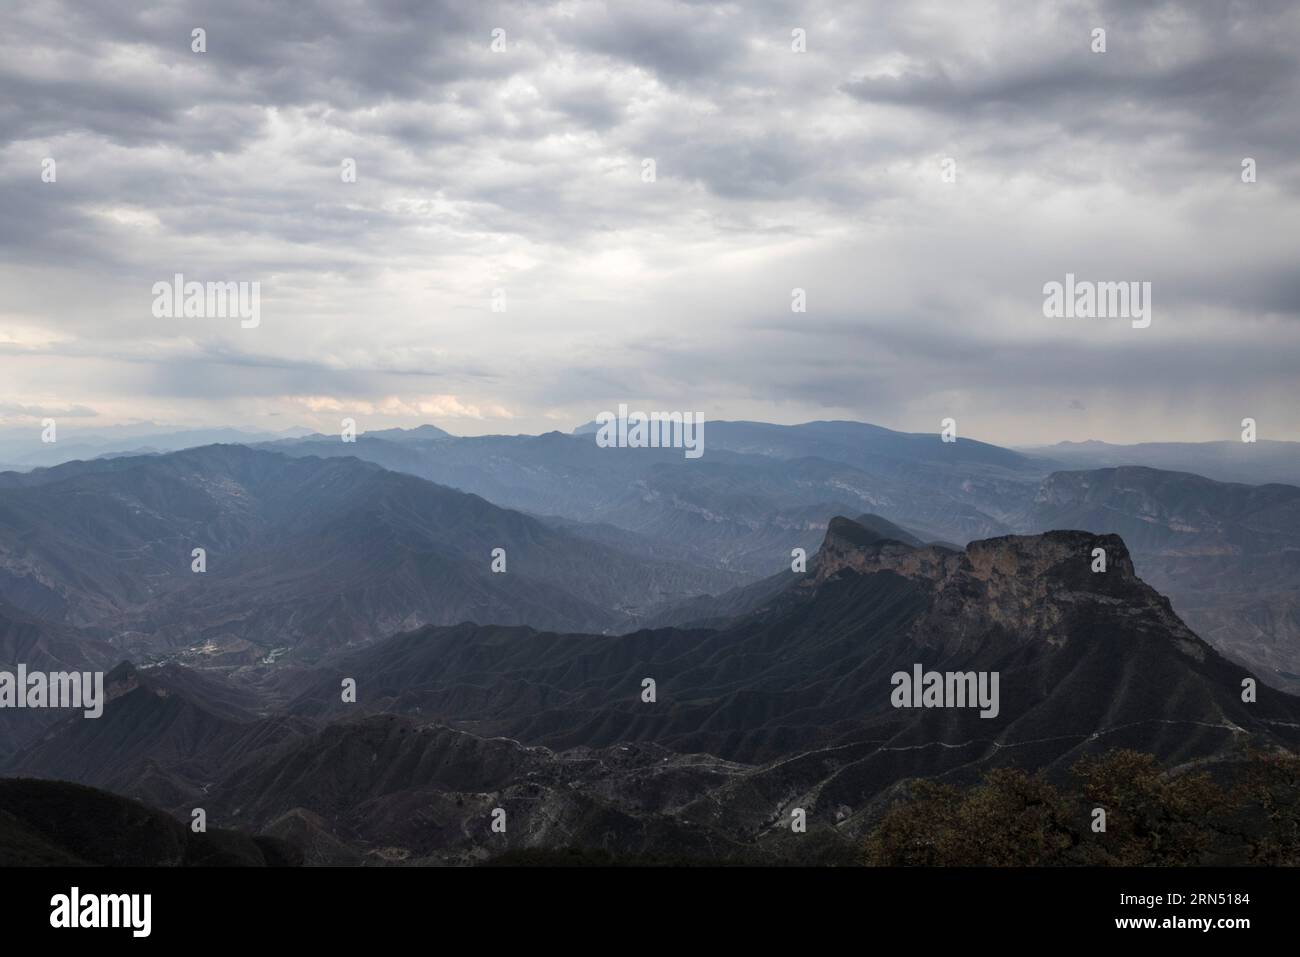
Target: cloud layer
[[519, 174]]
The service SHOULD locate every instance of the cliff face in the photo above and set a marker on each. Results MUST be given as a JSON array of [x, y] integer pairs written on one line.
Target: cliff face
[[850, 546], [1010, 558], [1227, 555], [790, 706], [1004, 592]]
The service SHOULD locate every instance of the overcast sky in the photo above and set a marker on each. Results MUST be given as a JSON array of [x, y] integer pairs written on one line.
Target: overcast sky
[[522, 171]]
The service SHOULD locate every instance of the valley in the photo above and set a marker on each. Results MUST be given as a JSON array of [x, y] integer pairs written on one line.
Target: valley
[[776, 683]]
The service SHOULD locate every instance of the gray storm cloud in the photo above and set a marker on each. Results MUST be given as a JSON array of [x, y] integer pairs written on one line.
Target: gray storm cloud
[[521, 171]]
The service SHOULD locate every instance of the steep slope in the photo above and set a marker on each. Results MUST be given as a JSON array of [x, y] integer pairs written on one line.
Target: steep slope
[[48, 646], [52, 823], [1080, 654], [153, 740], [303, 554], [717, 610], [406, 792], [758, 491], [793, 706], [42, 646], [1227, 555]]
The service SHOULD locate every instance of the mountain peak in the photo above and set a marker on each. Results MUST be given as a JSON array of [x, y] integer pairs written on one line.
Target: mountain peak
[[1049, 553], [1014, 585], [853, 545]]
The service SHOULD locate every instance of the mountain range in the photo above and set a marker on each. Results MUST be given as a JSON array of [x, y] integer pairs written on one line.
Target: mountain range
[[301, 555], [1260, 462], [790, 706], [762, 490], [677, 656]]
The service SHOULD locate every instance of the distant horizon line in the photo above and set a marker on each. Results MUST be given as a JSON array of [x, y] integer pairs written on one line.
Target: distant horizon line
[[8, 433]]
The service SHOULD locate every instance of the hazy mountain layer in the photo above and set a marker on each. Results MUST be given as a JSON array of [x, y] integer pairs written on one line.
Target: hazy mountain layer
[[758, 491], [302, 555], [1254, 463]]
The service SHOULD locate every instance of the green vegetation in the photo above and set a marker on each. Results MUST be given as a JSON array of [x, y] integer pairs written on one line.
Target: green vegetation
[[1246, 812]]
